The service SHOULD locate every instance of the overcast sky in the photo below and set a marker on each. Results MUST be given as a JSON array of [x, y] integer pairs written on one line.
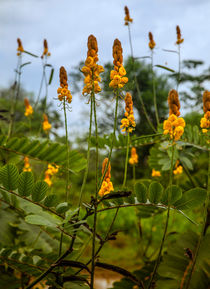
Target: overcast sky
[[66, 24]]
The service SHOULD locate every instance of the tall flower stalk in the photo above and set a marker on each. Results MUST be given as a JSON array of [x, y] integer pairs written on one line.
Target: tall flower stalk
[[205, 125], [18, 73], [128, 21], [64, 95], [152, 45], [44, 58], [174, 127], [178, 42]]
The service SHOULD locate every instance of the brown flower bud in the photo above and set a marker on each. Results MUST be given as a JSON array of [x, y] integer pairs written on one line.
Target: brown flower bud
[[206, 101], [173, 102]]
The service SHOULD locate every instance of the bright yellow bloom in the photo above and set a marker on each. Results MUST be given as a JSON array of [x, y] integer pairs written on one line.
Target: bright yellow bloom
[[28, 108], [128, 123], [45, 52], [205, 120], [46, 125], [51, 170], [178, 169], [92, 70], [134, 157], [151, 41], [127, 16], [26, 167], [179, 37], [63, 91], [117, 76], [156, 173], [107, 185], [20, 47], [174, 126]]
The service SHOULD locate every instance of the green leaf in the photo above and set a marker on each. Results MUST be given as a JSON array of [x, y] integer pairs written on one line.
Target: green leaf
[[187, 162], [39, 191], [39, 220], [25, 183], [50, 201], [51, 76], [62, 208], [165, 67], [9, 176], [155, 192], [191, 199], [141, 192], [176, 194]]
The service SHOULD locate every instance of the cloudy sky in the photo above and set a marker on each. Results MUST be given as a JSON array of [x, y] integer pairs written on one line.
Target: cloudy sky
[[66, 24]]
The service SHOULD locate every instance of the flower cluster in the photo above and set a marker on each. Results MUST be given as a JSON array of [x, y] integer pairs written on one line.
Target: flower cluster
[[156, 173], [151, 41], [45, 52], [179, 36], [46, 125], [133, 160], [127, 16], [107, 185], [63, 91], [178, 169], [51, 170], [26, 167], [205, 121], [28, 108], [117, 76], [174, 126], [92, 70], [20, 47], [128, 123]]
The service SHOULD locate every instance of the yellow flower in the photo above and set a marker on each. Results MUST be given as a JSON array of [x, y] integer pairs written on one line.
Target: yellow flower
[[92, 70], [47, 180], [178, 169], [20, 47], [51, 170], [205, 121], [156, 173], [63, 91], [179, 37], [46, 125], [128, 123], [26, 167], [134, 157], [151, 41], [127, 16], [107, 185], [28, 108], [45, 52], [117, 76]]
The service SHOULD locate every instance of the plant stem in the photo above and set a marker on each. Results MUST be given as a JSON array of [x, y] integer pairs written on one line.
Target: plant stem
[[126, 160], [203, 227], [179, 67], [96, 196], [113, 139], [136, 82], [15, 97], [134, 174], [154, 89], [67, 178], [41, 84], [166, 224], [88, 154]]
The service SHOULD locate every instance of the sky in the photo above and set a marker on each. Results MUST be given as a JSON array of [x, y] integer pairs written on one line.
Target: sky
[[66, 25]]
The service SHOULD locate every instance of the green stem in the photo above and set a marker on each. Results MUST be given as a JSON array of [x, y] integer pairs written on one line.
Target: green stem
[[154, 89], [16, 96], [136, 83], [41, 84], [134, 174], [67, 178], [179, 67], [113, 139], [88, 154], [203, 228], [166, 224], [126, 160], [96, 195]]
